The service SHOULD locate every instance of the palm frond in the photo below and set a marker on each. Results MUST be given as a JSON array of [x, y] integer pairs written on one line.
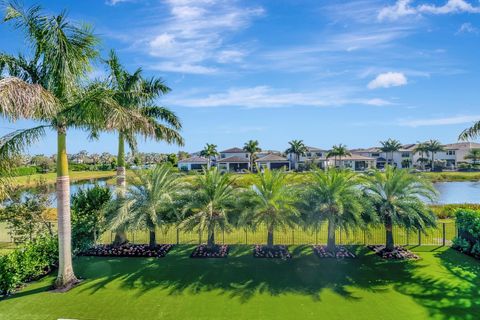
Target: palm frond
[[470, 133], [16, 142]]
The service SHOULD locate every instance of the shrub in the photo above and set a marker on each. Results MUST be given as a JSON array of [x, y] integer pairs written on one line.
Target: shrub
[[447, 211], [25, 171], [468, 224], [461, 244], [32, 261]]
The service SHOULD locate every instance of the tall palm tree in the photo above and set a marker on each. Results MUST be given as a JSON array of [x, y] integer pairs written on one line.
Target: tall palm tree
[[398, 199], [298, 149], [271, 202], [62, 52], [150, 196], [251, 146], [208, 152], [338, 152], [390, 146], [134, 92], [434, 146], [470, 133], [422, 149], [210, 204], [473, 155], [334, 196]]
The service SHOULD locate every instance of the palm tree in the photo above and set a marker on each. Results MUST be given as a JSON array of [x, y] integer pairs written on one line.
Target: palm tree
[[390, 146], [251, 146], [422, 149], [298, 149], [334, 196], [211, 201], [208, 152], [470, 133], [271, 203], [398, 199], [134, 92], [434, 146], [338, 152], [150, 196], [62, 54], [473, 155]]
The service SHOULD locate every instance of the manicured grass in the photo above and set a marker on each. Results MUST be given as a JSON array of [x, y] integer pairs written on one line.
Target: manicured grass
[[50, 178], [451, 176], [442, 285]]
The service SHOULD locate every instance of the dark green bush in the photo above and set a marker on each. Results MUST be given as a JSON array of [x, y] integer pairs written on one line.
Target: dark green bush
[[30, 262], [468, 224], [25, 171]]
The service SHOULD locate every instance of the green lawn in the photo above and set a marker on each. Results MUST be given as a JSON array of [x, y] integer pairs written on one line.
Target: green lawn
[[50, 178], [444, 284]]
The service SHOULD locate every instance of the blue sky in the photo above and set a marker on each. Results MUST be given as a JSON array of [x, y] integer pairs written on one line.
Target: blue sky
[[327, 72]]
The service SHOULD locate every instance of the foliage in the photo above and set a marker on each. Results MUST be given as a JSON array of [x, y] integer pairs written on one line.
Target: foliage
[[448, 211], [27, 263], [461, 244], [468, 224]]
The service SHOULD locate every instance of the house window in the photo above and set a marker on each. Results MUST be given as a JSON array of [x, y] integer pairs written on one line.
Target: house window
[[405, 154], [309, 154], [450, 152], [375, 154], [319, 154], [222, 155]]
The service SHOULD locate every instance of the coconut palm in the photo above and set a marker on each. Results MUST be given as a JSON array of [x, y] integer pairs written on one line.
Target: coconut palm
[[208, 152], [338, 152], [134, 92], [473, 155], [251, 146], [422, 149], [271, 203], [398, 198], [390, 146], [434, 146], [150, 195], [62, 52], [334, 196], [298, 149], [210, 204]]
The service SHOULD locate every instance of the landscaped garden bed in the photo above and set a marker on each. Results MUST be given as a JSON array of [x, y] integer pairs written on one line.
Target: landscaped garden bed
[[275, 252], [129, 250], [216, 251], [340, 252], [398, 253]]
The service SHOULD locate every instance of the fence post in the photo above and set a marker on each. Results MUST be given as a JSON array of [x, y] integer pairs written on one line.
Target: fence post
[[293, 237], [178, 236], [444, 233], [316, 234], [246, 242], [419, 238], [223, 236]]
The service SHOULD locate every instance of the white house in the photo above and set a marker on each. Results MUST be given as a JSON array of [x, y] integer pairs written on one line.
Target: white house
[[313, 155], [355, 162], [234, 152], [192, 163], [273, 161]]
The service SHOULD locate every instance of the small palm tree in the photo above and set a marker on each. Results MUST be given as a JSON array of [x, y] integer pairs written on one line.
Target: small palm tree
[[149, 198], [251, 146], [271, 203], [397, 197], [208, 152], [473, 155], [422, 149], [298, 149], [434, 146], [334, 196], [210, 203], [390, 146], [338, 152]]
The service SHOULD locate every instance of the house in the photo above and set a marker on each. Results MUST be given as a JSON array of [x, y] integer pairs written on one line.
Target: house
[[355, 162], [192, 163], [233, 164], [312, 155], [403, 158], [234, 152], [273, 161], [453, 155]]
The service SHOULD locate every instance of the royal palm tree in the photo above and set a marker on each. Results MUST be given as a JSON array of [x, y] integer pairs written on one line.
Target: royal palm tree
[[150, 195], [338, 152], [298, 149], [390, 146], [271, 202], [210, 204], [434, 146], [470, 133], [251, 146], [398, 198], [134, 92], [473, 155], [334, 196], [62, 52], [208, 152], [422, 149]]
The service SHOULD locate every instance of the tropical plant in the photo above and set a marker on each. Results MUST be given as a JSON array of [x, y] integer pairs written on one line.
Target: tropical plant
[[390, 146], [211, 201], [470, 133], [434, 146], [298, 149], [398, 198], [334, 196], [270, 203], [208, 152], [251, 146], [473, 155], [134, 92], [338, 152], [422, 149]]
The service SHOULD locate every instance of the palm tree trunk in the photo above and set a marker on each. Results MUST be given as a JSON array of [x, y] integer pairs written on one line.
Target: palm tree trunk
[[153, 237], [433, 161], [270, 237], [66, 277], [121, 234], [211, 238], [390, 245], [331, 236]]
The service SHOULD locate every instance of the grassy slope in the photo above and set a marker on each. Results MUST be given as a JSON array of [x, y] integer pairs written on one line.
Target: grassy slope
[[444, 284], [28, 181]]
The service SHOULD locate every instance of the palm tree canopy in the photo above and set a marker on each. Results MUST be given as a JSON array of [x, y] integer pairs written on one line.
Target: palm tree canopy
[[297, 147], [252, 147], [338, 151], [210, 150], [434, 146], [390, 145], [470, 133]]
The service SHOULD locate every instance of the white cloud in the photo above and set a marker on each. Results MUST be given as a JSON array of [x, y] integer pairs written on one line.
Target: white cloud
[[115, 2], [467, 28], [182, 68], [404, 8], [387, 80], [461, 119]]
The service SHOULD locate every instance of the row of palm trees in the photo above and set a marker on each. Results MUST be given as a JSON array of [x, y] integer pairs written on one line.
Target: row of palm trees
[[341, 198], [49, 84]]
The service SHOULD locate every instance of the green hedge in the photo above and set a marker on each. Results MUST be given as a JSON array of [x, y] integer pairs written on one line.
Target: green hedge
[[25, 171], [468, 224], [27, 263], [446, 211]]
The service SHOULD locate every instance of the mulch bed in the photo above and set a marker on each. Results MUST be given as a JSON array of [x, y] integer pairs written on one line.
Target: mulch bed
[[217, 251], [399, 253], [275, 252], [340, 252], [129, 250]]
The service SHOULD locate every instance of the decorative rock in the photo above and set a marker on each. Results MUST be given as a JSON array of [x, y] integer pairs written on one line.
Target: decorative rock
[[398, 253], [275, 252], [129, 250], [340, 252]]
